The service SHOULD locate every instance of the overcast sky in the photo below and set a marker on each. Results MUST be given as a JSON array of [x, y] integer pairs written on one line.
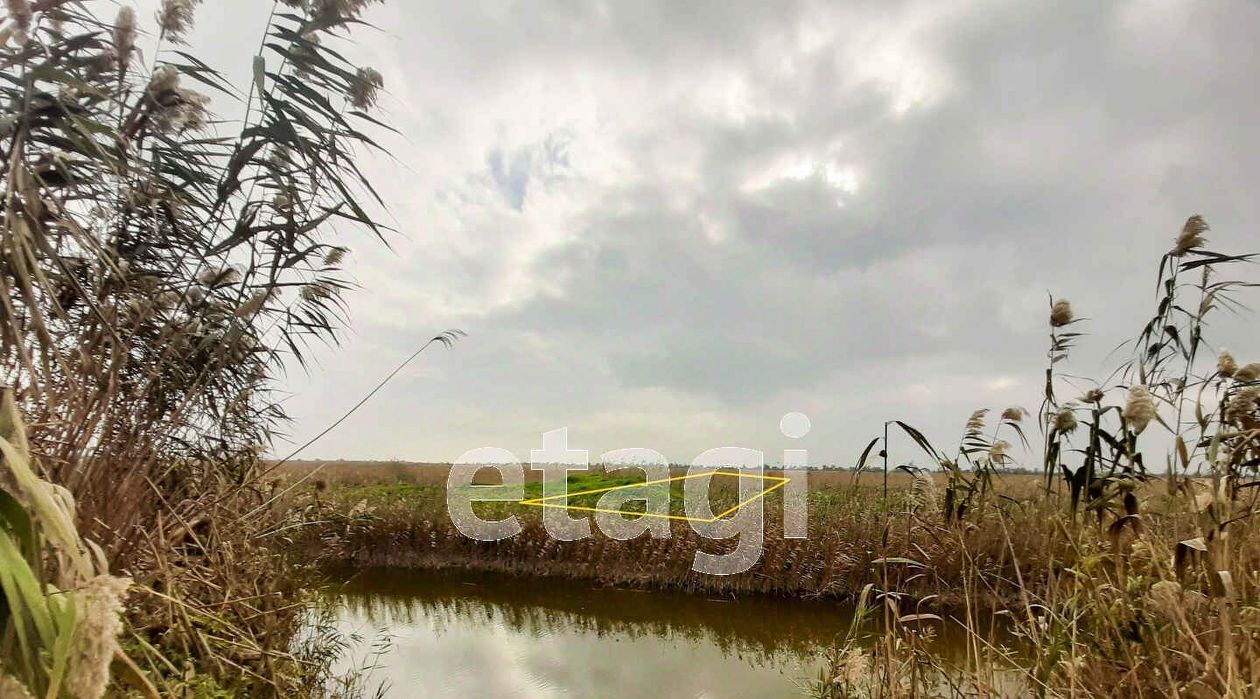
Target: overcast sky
[[666, 224]]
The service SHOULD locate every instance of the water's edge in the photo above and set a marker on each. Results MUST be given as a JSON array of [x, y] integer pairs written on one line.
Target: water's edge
[[459, 633]]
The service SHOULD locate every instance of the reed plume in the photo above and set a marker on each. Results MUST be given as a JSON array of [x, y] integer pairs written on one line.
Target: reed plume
[[1140, 408], [1060, 313], [1225, 364], [1191, 236]]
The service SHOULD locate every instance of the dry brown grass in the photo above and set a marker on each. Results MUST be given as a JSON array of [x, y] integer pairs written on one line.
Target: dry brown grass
[[346, 472], [409, 527]]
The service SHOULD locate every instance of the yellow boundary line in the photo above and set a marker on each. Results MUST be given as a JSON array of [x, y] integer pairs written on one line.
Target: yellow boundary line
[[542, 502]]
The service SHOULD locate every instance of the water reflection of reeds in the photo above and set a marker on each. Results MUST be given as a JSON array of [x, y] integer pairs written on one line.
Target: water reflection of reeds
[[760, 631]]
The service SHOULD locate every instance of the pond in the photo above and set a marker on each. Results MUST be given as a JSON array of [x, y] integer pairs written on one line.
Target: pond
[[457, 634]]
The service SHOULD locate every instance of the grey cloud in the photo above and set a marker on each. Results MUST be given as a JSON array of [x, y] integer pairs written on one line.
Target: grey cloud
[[625, 241]]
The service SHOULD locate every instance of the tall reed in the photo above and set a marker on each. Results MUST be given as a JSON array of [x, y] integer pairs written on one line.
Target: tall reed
[[1156, 596], [158, 263]]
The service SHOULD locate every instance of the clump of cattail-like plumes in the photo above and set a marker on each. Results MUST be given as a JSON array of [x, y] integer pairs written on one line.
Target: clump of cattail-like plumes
[[219, 277], [255, 304], [1241, 409], [175, 108], [165, 80], [304, 52], [923, 491], [98, 606], [124, 37], [1013, 414], [175, 18], [1191, 236], [1248, 373], [1225, 364], [20, 14], [1065, 421], [1140, 409], [1060, 313], [997, 451], [243, 346], [976, 421], [335, 256], [317, 290], [365, 87], [854, 674], [332, 10]]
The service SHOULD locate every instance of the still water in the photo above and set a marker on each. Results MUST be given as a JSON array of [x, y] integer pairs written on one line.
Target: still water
[[477, 636]]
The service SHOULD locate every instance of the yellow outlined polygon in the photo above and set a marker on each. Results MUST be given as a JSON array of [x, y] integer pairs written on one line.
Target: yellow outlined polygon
[[542, 502]]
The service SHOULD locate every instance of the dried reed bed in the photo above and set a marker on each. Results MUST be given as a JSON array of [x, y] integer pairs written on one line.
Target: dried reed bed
[[850, 526], [340, 472], [847, 527]]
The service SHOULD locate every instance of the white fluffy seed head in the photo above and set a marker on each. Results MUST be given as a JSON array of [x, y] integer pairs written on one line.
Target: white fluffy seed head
[[1242, 407], [923, 492], [164, 80], [175, 18], [365, 87], [220, 276], [1060, 313], [335, 256], [124, 36], [1140, 408], [1065, 421], [1191, 235], [20, 14], [997, 451], [1248, 373], [1225, 364], [98, 608]]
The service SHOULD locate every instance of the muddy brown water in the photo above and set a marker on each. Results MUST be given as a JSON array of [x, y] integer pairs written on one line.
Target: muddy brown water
[[459, 634]]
